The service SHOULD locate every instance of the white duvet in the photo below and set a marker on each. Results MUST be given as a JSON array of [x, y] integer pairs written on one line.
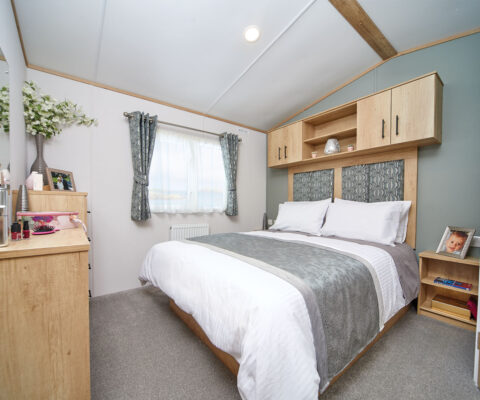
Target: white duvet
[[258, 318]]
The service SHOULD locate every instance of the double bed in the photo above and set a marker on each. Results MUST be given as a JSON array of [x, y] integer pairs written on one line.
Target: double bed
[[287, 311]]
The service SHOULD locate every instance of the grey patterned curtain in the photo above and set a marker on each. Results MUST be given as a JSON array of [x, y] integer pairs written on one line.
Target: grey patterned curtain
[[142, 140], [229, 145]]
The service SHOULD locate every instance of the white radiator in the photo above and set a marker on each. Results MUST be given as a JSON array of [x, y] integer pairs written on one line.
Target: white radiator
[[185, 231]]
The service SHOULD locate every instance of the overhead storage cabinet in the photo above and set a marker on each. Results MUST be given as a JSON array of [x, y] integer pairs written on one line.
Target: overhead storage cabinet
[[409, 113]]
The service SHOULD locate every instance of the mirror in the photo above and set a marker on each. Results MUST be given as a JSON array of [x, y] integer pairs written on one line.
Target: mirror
[[4, 138]]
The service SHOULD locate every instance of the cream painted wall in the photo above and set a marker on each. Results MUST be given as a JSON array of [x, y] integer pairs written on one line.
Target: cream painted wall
[[101, 162], [11, 48]]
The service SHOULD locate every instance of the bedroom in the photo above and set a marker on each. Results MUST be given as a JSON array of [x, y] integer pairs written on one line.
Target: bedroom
[[313, 68]]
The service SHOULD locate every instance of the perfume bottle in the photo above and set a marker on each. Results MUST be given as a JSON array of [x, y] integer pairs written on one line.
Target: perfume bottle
[[16, 231], [26, 230]]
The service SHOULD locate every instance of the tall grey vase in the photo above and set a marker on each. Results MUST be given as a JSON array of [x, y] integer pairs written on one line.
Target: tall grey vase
[[39, 165]]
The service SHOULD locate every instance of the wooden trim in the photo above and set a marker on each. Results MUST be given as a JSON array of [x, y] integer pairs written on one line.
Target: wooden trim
[[409, 155], [233, 365], [440, 41], [19, 32], [356, 16], [139, 96], [401, 53], [188, 319]]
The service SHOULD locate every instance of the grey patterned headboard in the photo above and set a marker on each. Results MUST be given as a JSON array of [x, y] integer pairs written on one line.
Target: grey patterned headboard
[[311, 186], [374, 182]]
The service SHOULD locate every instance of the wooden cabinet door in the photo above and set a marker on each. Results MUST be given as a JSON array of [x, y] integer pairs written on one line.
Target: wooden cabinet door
[[44, 330], [275, 147], [293, 142], [413, 110], [373, 120]]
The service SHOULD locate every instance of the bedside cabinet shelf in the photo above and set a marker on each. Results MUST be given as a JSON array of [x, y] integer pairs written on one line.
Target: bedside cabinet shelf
[[428, 309], [430, 281], [434, 265]]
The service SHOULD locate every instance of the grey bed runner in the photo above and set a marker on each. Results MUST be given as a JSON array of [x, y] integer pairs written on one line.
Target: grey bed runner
[[403, 256], [337, 289], [405, 262]]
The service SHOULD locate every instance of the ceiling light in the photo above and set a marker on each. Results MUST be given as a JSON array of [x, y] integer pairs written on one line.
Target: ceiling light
[[251, 33]]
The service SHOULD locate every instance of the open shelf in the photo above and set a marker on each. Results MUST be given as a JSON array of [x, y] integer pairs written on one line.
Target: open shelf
[[348, 132], [333, 114], [430, 281], [433, 265], [443, 313], [435, 256]]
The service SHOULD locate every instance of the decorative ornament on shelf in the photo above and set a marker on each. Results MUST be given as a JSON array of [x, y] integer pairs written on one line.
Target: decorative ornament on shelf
[[332, 146], [22, 200], [44, 118]]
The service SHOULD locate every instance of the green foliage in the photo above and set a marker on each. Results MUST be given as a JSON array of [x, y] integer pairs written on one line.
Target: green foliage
[[4, 109], [43, 114]]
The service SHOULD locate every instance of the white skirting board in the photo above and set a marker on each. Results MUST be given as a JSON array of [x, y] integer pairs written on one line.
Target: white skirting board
[[185, 231]]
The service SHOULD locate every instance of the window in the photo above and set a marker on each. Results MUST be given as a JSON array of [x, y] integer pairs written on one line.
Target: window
[[187, 173]]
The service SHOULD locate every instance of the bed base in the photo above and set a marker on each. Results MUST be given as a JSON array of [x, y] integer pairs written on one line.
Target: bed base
[[233, 365]]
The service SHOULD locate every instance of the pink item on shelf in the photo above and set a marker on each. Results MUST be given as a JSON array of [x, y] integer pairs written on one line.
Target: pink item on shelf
[[57, 219], [473, 308]]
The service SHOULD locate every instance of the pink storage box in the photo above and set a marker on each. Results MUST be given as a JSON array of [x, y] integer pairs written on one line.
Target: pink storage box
[[57, 219]]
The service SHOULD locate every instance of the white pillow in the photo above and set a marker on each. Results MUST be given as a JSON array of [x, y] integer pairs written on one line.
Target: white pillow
[[375, 222], [302, 216], [402, 228]]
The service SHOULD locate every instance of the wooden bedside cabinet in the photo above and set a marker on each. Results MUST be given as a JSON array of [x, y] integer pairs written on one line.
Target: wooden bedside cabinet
[[434, 265]]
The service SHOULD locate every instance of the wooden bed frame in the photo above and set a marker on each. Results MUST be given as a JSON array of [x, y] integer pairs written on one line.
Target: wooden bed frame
[[233, 365], [409, 155]]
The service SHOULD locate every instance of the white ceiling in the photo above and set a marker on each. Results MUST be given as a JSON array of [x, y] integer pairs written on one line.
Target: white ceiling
[[192, 53]]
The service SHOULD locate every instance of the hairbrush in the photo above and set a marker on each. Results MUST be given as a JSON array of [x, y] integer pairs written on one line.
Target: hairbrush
[[43, 229]]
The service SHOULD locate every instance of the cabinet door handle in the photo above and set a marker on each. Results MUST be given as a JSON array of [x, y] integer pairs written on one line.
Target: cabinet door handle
[[279, 153], [396, 125], [285, 151], [383, 129]]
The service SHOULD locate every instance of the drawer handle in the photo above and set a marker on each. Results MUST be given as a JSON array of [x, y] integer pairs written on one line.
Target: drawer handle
[[396, 125], [279, 153], [285, 151], [383, 129]]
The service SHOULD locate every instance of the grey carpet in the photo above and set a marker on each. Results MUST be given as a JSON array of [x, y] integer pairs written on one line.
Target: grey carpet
[[141, 350]]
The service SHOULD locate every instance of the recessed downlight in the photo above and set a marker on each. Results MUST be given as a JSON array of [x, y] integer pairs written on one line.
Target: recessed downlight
[[251, 33]]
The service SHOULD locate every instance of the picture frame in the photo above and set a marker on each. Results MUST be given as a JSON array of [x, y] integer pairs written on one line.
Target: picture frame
[[60, 180], [455, 241]]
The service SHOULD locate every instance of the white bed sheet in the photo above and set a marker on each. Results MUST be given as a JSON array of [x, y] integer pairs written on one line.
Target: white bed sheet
[[258, 318]]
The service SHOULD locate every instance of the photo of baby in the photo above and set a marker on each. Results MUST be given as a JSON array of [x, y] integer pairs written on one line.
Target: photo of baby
[[455, 241]]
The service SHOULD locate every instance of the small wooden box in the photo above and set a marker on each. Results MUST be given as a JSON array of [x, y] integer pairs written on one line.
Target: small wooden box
[[454, 306]]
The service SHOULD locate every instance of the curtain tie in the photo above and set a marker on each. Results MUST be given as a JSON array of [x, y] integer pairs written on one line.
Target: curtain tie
[[141, 179]]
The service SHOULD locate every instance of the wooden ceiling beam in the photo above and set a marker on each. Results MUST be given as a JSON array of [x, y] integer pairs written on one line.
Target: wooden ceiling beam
[[356, 16]]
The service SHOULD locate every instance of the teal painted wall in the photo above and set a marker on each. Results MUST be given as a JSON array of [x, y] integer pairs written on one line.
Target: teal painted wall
[[448, 174]]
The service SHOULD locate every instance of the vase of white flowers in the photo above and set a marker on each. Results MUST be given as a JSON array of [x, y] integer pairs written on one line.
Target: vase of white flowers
[[46, 117]]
